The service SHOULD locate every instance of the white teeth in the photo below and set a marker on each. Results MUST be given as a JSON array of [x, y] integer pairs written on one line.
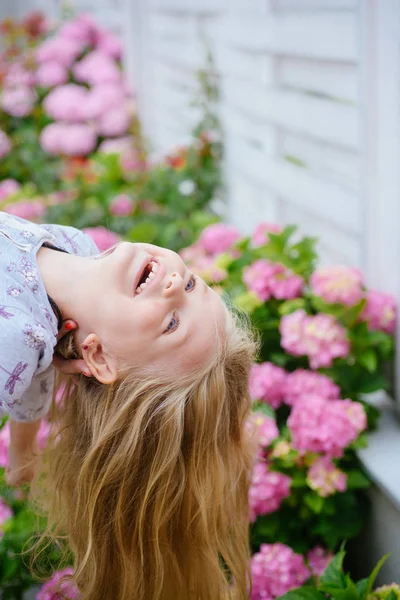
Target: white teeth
[[150, 276]]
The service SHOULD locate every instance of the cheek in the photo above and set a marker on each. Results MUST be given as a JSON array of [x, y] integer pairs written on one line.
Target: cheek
[[149, 318]]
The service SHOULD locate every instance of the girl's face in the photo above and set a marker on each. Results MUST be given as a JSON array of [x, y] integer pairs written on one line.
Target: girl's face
[[151, 310]]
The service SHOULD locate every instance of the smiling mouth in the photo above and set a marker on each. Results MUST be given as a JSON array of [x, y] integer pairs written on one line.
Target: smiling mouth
[[146, 276]]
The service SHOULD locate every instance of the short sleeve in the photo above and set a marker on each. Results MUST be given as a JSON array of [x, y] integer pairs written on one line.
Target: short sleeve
[[26, 373]]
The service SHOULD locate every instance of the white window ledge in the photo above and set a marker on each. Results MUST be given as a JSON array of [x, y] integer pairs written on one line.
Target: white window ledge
[[382, 457]]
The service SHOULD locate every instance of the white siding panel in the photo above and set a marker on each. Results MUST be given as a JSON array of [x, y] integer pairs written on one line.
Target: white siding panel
[[249, 204], [259, 68], [317, 4], [250, 131]]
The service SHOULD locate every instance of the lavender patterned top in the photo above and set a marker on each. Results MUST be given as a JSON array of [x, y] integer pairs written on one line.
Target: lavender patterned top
[[28, 325]]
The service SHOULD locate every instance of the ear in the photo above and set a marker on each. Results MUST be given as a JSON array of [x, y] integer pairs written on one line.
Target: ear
[[101, 364]]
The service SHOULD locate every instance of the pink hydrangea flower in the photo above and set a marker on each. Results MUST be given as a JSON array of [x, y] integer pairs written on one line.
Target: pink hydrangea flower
[[102, 98], [102, 237], [115, 122], [18, 101], [96, 67], [68, 590], [267, 279], [82, 29], [276, 570], [318, 559], [319, 337], [5, 514], [303, 383], [205, 267], [5, 144], [122, 205], [218, 238], [380, 312], [59, 49], [267, 490], [18, 75], [267, 383], [261, 428], [8, 187], [325, 478], [30, 209], [4, 443], [109, 44], [338, 284], [51, 73], [325, 426], [66, 103], [71, 140], [116, 145], [260, 234]]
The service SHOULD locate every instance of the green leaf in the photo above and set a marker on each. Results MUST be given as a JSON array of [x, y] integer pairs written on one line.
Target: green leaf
[[391, 596], [333, 575], [305, 593], [143, 232], [291, 305], [264, 408], [362, 587], [315, 502], [372, 577], [356, 480], [368, 360]]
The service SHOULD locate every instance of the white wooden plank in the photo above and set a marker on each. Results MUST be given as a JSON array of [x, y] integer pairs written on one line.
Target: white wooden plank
[[249, 204], [190, 6], [174, 25], [260, 68], [189, 55], [250, 130], [317, 4], [337, 80], [295, 184], [318, 118], [312, 34]]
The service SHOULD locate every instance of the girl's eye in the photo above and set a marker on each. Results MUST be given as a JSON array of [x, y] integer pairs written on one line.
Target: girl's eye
[[191, 284], [173, 324]]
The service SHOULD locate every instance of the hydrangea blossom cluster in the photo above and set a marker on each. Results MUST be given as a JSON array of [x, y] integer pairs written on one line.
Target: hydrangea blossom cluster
[[338, 284], [121, 205], [68, 590], [267, 490], [318, 559], [218, 238], [262, 429], [325, 478], [276, 569], [26, 209], [267, 383], [301, 383], [267, 279], [8, 187], [320, 337], [325, 426], [380, 312], [260, 234], [102, 237]]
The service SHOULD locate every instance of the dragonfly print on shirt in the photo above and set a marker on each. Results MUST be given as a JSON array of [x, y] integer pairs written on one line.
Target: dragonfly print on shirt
[[4, 313], [14, 376]]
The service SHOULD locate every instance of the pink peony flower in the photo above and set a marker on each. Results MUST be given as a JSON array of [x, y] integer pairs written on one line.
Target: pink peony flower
[[66, 103], [303, 383], [380, 312], [8, 187], [218, 238], [71, 140], [96, 67], [18, 101], [260, 234], [276, 570], [338, 284], [59, 49], [319, 337], [29, 209], [50, 589], [102, 98], [82, 29], [267, 279], [325, 478], [5, 514], [115, 122], [122, 205], [318, 559], [261, 428], [325, 426], [51, 73], [267, 490], [109, 44], [102, 237], [267, 383], [5, 144]]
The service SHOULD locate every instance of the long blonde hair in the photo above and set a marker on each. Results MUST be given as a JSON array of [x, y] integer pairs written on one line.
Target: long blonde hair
[[147, 479]]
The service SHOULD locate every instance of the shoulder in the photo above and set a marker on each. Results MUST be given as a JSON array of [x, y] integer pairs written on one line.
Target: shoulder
[[72, 239]]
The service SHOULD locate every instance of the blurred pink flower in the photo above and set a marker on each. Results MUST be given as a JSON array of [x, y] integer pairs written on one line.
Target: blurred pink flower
[[8, 187], [267, 490], [102, 98], [325, 426], [102, 237], [301, 383], [29, 209], [71, 140], [17, 75], [114, 122], [338, 284], [116, 145], [325, 478], [96, 67], [121, 205], [51, 73], [68, 590], [267, 279], [276, 570], [260, 234], [4, 443], [66, 103], [5, 514], [267, 383], [218, 238], [380, 312], [261, 428], [205, 267], [5, 144], [82, 29], [59, 49], [109, 44], [318, 559], [18, 101], [320, 337]]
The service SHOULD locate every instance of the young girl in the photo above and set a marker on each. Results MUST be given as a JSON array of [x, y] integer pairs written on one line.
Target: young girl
[[147, 469]]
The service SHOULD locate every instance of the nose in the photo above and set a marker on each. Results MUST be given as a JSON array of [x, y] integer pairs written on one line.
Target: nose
[[173, 286]]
